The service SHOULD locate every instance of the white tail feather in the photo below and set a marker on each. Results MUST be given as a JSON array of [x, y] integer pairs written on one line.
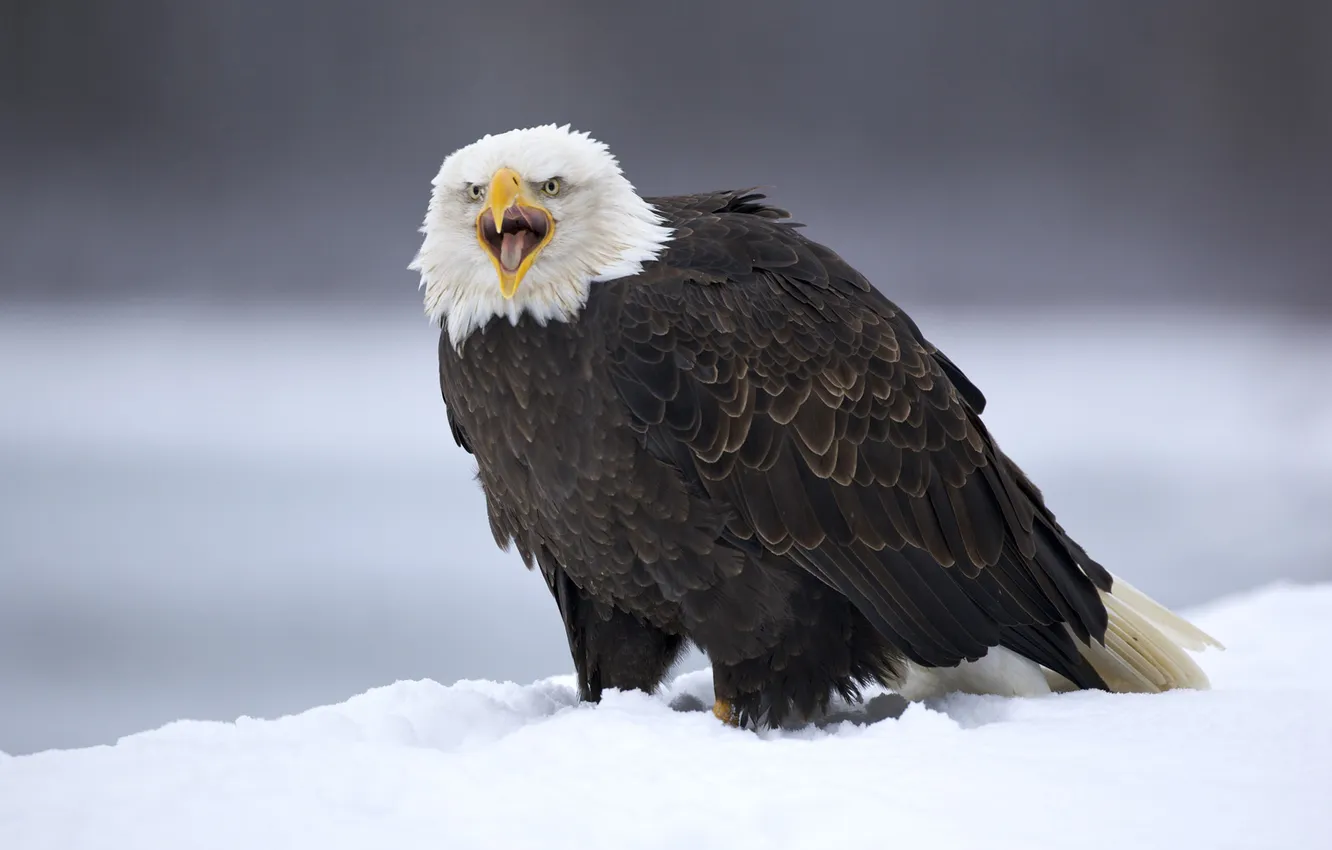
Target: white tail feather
[[1145, 645], [1144, 653], [1176, 627]]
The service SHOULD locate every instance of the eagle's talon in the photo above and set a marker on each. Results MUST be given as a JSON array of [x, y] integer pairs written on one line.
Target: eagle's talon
[[725, 712]]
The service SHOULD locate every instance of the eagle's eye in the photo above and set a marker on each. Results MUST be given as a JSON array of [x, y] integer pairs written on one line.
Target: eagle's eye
[[551, 187], [476, 191]]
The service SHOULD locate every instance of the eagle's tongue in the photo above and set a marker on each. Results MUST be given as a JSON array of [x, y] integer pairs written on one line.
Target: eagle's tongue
[[512, 248]]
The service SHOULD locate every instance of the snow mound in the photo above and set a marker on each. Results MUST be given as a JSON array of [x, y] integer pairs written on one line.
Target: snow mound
[[487, 765]]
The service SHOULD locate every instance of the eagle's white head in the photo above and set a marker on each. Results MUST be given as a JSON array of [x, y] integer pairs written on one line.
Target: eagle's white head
[[525, 222]]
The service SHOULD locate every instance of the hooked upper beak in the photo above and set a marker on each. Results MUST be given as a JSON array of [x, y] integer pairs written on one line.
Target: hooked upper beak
[[513, 228]]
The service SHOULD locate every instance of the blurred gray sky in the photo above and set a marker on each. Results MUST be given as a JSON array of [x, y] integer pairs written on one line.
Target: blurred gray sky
[[961, 152]]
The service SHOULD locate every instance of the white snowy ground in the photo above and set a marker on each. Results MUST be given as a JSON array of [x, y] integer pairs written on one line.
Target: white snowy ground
[[485, 765]]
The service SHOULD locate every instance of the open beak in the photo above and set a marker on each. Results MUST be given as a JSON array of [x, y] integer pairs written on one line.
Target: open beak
[[513, 228]]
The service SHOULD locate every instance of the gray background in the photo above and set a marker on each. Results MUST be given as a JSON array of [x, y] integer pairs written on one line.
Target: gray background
[[226, 485]]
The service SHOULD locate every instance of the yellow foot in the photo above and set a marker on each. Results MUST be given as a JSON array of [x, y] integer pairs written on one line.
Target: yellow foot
[[725, 713]]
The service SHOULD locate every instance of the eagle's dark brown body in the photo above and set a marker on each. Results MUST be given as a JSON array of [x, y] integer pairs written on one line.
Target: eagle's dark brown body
[[747, 447]]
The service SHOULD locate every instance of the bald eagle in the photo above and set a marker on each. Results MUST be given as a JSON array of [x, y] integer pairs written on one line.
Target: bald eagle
[[703, 427]]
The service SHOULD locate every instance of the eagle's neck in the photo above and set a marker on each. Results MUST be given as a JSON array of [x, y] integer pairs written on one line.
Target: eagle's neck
[[473, 305]]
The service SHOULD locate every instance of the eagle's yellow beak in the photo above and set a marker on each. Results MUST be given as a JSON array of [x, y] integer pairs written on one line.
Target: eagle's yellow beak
[[513, 228]]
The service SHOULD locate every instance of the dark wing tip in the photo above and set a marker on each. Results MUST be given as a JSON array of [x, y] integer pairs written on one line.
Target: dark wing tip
[[750, 202]]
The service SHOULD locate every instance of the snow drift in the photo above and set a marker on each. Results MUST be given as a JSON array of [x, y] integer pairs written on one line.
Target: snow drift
[[482, 765]]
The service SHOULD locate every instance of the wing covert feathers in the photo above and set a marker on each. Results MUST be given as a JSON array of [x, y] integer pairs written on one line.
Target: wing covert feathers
[[783, 386]]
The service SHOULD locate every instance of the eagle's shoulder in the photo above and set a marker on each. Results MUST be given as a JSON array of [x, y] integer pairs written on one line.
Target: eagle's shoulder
[[734, 253]]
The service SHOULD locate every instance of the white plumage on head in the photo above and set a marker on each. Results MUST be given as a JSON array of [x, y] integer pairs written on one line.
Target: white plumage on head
[[602, 230]]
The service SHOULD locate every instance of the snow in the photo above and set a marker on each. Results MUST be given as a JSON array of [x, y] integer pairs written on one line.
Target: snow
[[489, 765]]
